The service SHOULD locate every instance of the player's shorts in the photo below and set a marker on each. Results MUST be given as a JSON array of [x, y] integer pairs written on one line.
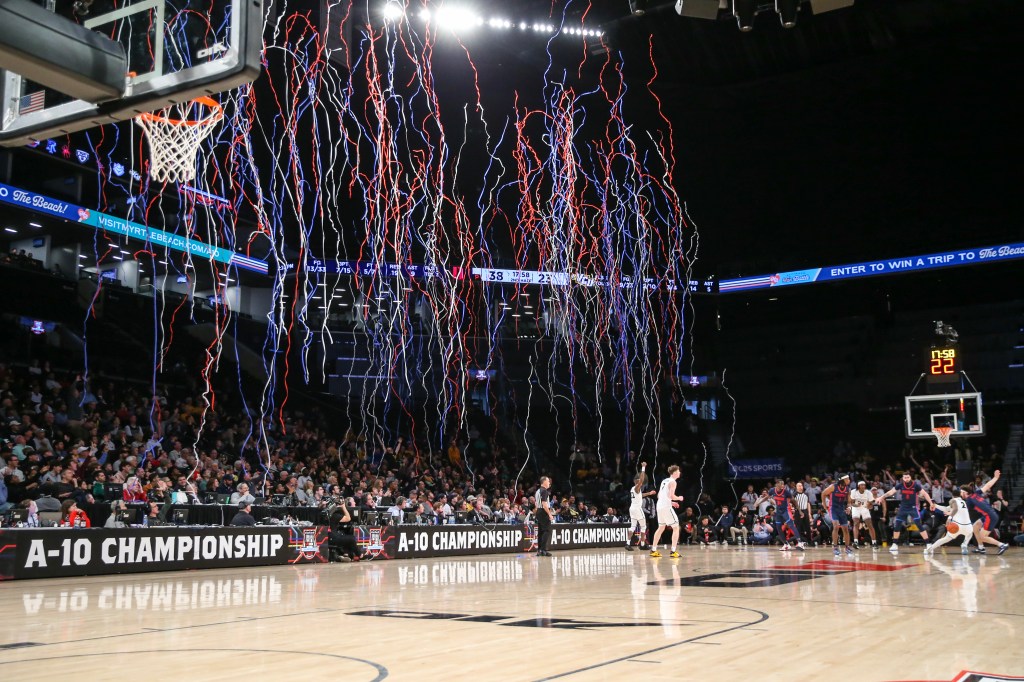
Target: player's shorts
[[901, 519], [861, 514], [667, 516], [784, 518], [637, 518], [989, 520], [840, 518]]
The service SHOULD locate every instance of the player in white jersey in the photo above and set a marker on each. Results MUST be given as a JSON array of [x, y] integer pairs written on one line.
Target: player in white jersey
[[637, 518], [957, 515], [861, 501], [668, 501]]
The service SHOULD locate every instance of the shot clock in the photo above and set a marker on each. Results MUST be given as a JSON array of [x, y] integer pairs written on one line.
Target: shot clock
[[943, 364]]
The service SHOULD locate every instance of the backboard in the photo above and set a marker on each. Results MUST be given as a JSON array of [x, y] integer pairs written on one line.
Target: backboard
[[960, 411], [177, 50]]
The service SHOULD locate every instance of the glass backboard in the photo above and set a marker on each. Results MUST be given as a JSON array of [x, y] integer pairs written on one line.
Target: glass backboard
[[961, 412], [176, 50]]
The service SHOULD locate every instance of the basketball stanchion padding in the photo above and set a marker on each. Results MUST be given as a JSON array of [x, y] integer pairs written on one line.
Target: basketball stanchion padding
[[942, 435], [174, 135]]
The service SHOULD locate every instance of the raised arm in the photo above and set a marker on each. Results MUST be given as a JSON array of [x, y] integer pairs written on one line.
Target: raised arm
[[991, 482]]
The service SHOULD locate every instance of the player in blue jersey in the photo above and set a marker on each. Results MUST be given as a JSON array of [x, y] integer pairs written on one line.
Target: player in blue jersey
[[986, 517], [907, 492], [780, 496], [838, 495]]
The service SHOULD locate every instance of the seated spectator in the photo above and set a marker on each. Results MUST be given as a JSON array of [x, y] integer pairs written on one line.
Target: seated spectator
[[152, 515], [741, 525], [477, 514], [705, 532], [112, 522], [395, 511], [242, 495], [244, 516], [32, 521], [724, 524], [73, 517], [133, 491]]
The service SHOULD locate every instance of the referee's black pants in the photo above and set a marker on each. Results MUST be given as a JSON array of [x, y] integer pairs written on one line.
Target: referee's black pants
[[543, 531]]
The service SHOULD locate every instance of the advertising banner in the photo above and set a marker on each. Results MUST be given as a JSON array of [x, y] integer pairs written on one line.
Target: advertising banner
[[64, 552], [413, 542]]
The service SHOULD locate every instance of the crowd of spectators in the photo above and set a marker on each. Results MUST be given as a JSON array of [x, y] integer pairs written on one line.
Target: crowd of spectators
[[62, 439], [745, 515]]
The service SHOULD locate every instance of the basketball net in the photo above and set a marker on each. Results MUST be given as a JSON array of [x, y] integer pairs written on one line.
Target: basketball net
[[174, 135], [942, 435]]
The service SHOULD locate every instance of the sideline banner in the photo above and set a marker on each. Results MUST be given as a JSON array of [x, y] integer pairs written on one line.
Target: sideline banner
[[415, 542], [64, 552]]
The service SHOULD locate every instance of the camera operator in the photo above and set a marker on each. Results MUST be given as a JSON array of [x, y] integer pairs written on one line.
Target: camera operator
[[342, 540]]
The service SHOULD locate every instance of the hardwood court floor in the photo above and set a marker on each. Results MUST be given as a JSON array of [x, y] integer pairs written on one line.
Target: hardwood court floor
[[719, 613]]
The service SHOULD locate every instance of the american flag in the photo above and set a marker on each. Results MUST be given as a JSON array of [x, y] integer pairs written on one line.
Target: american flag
[[33, 102]]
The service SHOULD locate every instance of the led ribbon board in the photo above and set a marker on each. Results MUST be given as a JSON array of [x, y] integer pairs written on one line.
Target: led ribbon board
[[891, 266], [497, 276], [149, 235]]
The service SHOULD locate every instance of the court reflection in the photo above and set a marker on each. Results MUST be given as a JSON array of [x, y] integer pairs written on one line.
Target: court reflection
[[170, 594]]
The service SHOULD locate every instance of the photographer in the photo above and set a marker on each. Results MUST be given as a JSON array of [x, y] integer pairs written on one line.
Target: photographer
[[342, 540]]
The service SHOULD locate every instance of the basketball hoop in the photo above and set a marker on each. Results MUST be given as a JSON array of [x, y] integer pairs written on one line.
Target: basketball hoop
[[942, 435], [174, 136]]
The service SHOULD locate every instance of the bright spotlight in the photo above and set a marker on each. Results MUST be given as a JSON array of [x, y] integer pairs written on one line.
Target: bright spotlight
[[424, 14], [393, 11], [455, 18]]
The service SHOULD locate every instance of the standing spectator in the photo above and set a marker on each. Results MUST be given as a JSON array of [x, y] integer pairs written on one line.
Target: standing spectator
[[749, 498]]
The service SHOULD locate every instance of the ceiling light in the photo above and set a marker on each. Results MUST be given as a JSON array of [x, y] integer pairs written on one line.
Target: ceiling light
[[638, 7], [35, 224], [744, 11], [82, 255], [11, 230], [787, 11], [118, 258]]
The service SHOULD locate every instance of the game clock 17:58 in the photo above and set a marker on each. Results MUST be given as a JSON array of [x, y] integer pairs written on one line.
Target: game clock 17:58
[[943, 364]]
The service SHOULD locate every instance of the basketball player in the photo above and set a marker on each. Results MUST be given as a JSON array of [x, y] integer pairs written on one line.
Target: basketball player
[[861, 502], [987, 517], [637, 518], [780, 496], [838, 495], [668, 502], [959, 516], [908, 491]]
